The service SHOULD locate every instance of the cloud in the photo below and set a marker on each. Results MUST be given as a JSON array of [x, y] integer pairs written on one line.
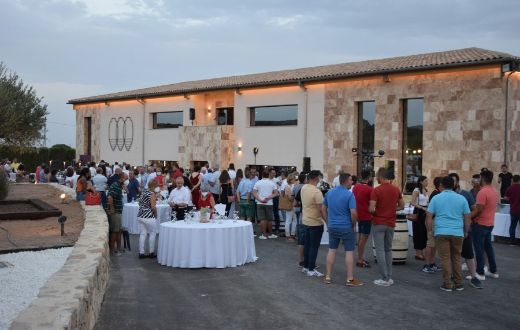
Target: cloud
[[182, 23], [120, 9], [289, 21]]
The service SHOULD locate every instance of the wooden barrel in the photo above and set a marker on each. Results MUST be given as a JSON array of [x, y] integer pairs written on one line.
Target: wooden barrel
[[400, 241]]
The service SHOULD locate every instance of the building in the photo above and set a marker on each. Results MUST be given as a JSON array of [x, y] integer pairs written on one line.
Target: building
[[456, 110]]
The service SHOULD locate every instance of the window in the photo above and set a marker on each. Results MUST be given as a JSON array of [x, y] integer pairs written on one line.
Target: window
[[278, 115], [225, 116], [366, 124], [171, 119], [413, 110], [87, 129]]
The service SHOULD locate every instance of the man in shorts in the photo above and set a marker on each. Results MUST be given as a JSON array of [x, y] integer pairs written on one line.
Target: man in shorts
[[264, 191], [115, 206], [362, 192], [339, 212]]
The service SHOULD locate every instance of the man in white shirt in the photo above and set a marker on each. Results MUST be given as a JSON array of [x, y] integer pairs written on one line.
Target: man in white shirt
[[214, 183], [264, 191], [180, 198], [92, 169], [335, 182], [100, 182]]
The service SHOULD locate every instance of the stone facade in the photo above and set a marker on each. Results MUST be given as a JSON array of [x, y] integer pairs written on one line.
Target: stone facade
[[72, 297], [463, 120], [92, 111], [214, 144], [513, 141]]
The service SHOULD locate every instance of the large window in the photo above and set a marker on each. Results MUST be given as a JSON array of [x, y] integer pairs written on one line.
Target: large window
[[366, 124], [225, 116], [413, 110], [172, 119], [278, 115]]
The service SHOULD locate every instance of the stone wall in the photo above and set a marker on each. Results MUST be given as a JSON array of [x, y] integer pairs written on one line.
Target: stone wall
[[463, 120], [513, 144], [94, 111], [72, 297], [214, 144]]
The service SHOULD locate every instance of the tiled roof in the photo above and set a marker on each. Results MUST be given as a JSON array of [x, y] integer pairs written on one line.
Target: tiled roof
[[459, 57]]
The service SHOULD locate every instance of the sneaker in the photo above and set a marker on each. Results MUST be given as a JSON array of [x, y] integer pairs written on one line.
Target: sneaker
[[435, 268], [301, 264], [272, 236], [428, 269], [382, 282], [464, 267], [468, 277], [354, 282], [117, 253], [305, 270], [445, 288], [314, 273], [262, 237], [142, 256], [391, 282], [459, 287], [480, 277], [474, 282], [490, 274]]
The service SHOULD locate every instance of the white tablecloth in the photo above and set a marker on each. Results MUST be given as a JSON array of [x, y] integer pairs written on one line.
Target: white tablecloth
[[198, 245], [130, 211], [502, 223]]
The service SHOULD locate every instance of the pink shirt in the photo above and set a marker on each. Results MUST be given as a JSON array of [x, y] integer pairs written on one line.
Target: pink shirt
[[488, 198]]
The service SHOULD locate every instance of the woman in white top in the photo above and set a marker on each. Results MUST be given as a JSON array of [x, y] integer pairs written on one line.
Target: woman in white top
[[420, 204], [290, 218]]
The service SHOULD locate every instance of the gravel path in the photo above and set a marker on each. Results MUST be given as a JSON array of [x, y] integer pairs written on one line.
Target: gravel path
[[21, 281]]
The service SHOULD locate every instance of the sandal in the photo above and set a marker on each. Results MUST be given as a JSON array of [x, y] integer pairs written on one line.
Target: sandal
[[363, 264], [327, 280]]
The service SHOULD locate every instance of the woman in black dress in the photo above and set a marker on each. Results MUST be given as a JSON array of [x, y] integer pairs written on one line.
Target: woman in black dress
[[226, 190]]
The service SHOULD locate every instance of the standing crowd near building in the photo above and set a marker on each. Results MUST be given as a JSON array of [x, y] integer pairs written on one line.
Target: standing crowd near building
[[450, 224]]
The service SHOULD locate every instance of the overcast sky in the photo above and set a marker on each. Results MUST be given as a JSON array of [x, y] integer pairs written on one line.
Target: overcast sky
[[75, 48]]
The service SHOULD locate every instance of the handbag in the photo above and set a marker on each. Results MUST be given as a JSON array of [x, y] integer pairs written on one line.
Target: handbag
[[92, 198], [285, 202]]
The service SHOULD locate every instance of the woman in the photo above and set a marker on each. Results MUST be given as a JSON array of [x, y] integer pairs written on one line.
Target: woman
[[69, 174], [205, 199], [146, 217], [82, 184], [290, 218], [44, 175], [53, 177], [226, 190], [195, 180], [420, 204]]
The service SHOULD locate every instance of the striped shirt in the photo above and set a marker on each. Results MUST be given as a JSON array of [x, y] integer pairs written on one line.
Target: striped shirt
[[145, 206], [116, 191]]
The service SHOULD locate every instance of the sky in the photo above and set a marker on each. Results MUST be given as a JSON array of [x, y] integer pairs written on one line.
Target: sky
[[76, 48]]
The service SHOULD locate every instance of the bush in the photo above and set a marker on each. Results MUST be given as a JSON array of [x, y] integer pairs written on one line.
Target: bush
[[4, 185]]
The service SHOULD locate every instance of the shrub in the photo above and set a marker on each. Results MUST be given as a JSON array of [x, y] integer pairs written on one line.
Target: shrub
[[4, 185]]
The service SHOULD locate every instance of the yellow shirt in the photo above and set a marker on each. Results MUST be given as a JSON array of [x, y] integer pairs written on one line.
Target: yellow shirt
[[312, 198]]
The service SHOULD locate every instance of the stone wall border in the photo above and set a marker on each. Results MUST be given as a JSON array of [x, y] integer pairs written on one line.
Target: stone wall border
[[72, 297]]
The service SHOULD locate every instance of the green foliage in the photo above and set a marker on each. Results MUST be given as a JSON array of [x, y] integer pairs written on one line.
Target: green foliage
[[4, 185], [31, 157], [22, 114]]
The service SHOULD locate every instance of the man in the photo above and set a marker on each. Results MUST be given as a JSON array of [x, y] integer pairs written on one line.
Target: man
[[483, 221], [243, 196], [231, 171], [180, 198], [300, 227], [362, 193], [176, 171], [214, 183], [340, 215], [115, 206], [92, 169], [142, 178], [133, 188], [264, 192], [475, 184], [312, 199], [504, 179], [100, 182], [276, 200], [467, 244], [429, 252], [385, 200], [335, 181], [254, 175], [512, 195], [452, 220], [115, 177]]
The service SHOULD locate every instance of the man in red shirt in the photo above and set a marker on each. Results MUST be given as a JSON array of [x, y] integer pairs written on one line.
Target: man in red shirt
[[385, 200], [483, 216], [362, 191], [513, 197]]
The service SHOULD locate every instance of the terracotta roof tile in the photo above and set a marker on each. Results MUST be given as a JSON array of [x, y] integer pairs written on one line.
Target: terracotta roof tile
[[459, 57]]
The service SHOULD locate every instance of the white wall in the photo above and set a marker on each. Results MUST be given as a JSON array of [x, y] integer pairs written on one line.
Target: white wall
[[280, 145]]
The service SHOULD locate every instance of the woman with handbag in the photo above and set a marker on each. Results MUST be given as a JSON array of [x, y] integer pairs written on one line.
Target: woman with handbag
[[226, 190], [420, 204], [286, 204], [82, 183], [146, 217]]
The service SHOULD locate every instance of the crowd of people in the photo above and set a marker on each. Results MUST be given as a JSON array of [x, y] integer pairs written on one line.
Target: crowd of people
[[449, 223]]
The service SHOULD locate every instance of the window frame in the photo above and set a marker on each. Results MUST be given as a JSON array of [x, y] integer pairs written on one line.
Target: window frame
[[419, 152], [154, 119], [252, 116]]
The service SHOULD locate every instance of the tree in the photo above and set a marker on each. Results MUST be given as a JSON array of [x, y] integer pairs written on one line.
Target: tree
[[22, 114]]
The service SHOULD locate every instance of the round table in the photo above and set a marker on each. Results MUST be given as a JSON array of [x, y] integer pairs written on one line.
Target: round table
[[206, 245], [129, 216]]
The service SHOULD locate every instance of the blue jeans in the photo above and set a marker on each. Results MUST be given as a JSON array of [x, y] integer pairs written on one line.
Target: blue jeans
[[512, 228], [482, 243], [312, 244]]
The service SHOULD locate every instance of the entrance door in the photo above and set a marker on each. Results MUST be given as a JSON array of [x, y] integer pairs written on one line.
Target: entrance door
[[224, 116]]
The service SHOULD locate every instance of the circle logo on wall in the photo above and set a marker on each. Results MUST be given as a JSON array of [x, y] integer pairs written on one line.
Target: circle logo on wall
[[121, 133]]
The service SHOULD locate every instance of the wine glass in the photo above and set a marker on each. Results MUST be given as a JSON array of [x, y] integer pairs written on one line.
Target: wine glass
[[235, 216]]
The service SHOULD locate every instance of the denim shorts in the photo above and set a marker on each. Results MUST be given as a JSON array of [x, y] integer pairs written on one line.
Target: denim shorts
[[346, 235], [364, 227]]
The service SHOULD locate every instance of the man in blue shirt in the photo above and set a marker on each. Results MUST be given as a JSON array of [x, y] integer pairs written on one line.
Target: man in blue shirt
[[244, 190], [339, 212], [452, 221]]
